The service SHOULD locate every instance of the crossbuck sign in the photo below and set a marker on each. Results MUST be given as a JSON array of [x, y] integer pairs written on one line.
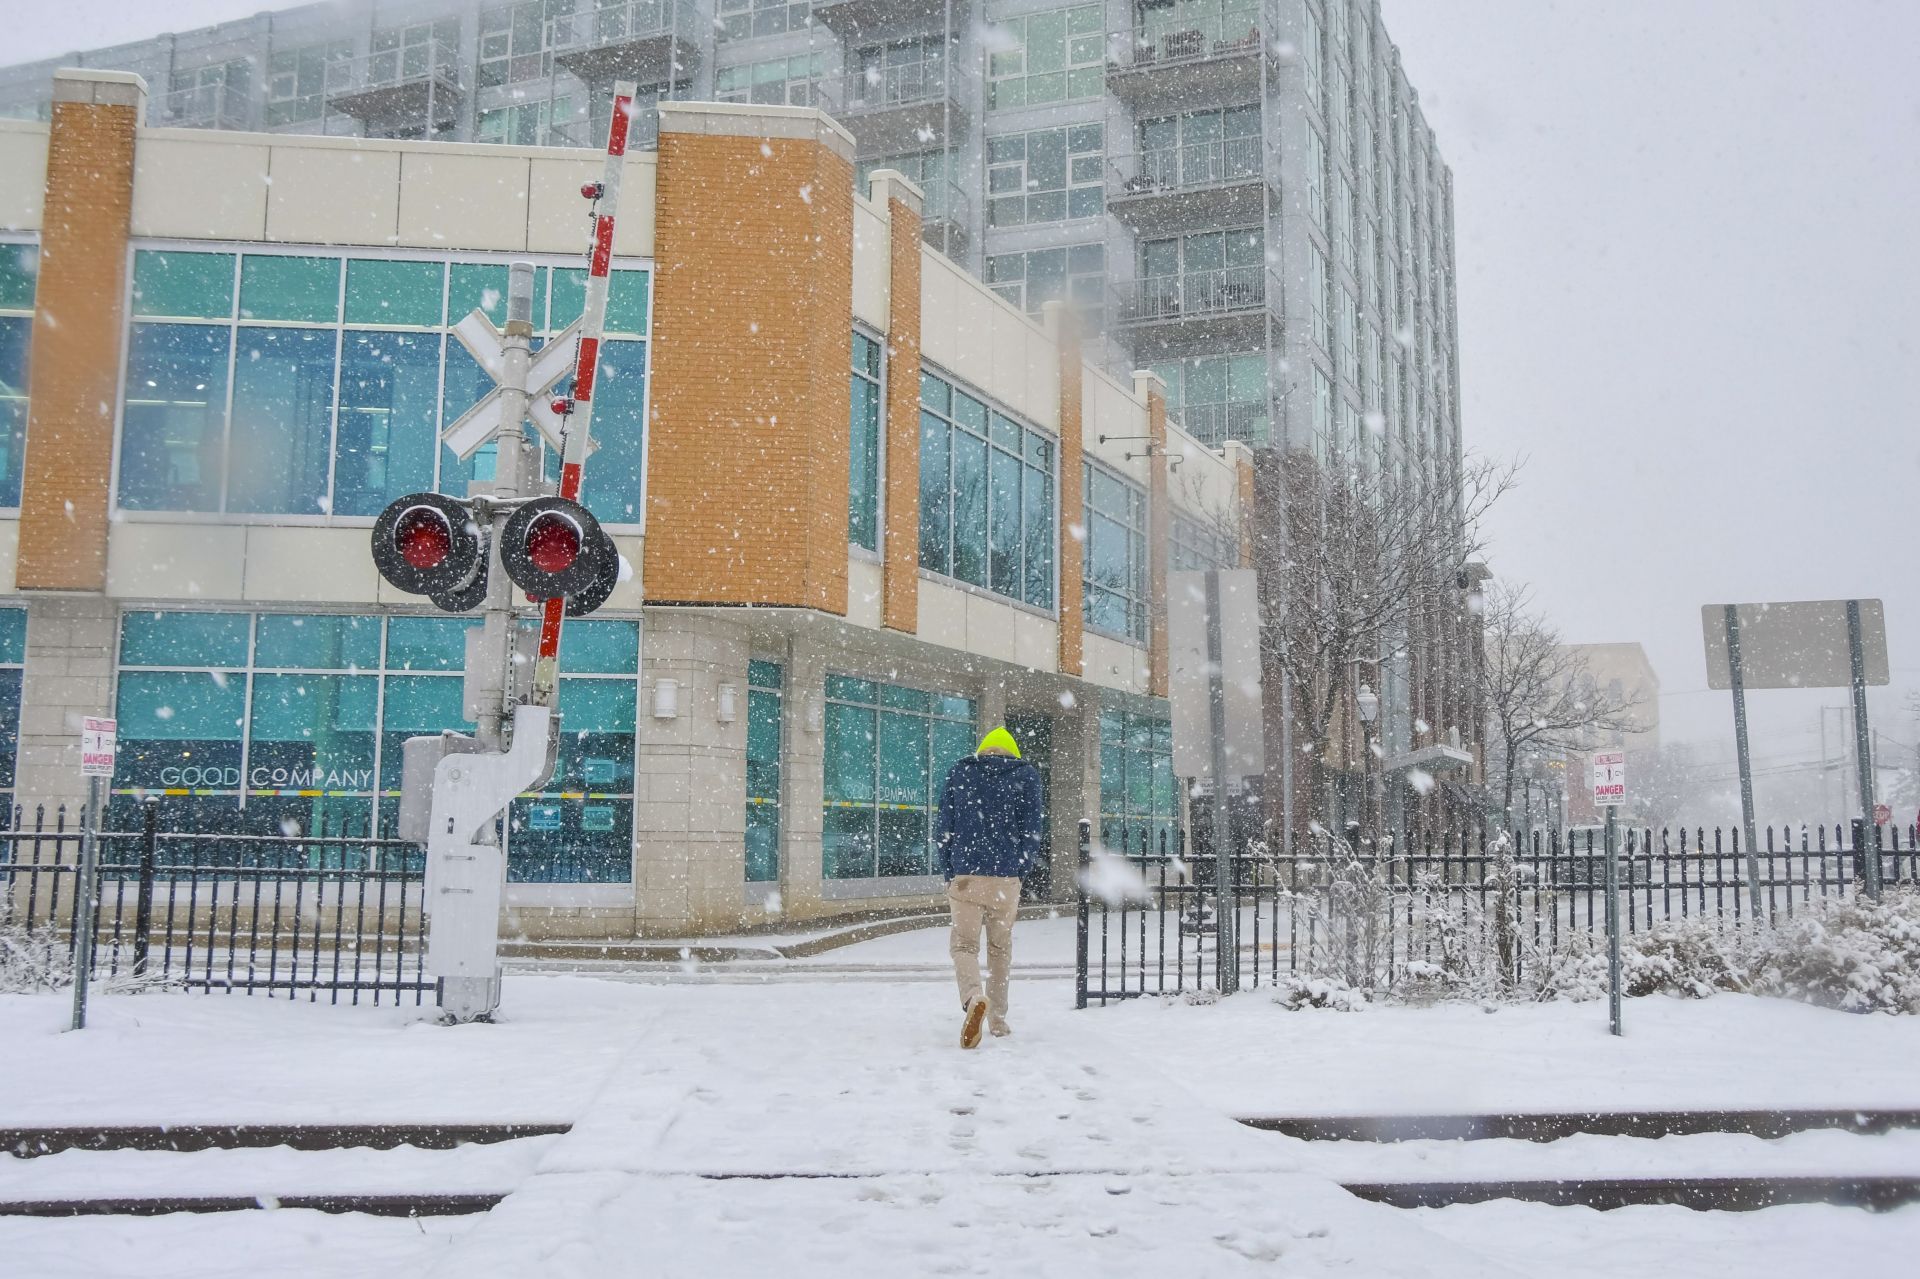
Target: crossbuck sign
[[549, 364]]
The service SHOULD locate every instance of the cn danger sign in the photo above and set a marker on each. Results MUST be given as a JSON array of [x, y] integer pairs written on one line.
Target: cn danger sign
[[98, 738], [1609, 770]]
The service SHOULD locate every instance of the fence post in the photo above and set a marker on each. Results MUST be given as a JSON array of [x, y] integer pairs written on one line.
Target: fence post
[[143, 903], [1080, 931]]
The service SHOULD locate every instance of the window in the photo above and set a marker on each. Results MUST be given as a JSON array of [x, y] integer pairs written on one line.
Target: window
[[1045, 175], [316, 385], [987, 513], [905, 71], [13, 658], [400, 54], [1370, 373], [928, 170], [742, 19], [1076, 274], [765, 684], [298, 81], [1203, 271], [888, 750], [546, 122], [513, 41], [1343, 220], [215, 96], [1136, 780], [1057, 56], [1312, 61], [790, 82], [1322, 410], [1337, 22], [1114, 601], [1200, 544], [1198, 148], [863, 452], [1346, 358], [1218, 397], [1319, 285], [1316, 164], [276, 723], [1175, 29], [19, 272]]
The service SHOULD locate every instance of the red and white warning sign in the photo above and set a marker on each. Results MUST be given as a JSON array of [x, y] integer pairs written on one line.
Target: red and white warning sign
[[1609, 771], [98, 738]]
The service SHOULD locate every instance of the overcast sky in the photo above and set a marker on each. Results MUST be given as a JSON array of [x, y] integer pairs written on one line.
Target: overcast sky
[[1688, 274]]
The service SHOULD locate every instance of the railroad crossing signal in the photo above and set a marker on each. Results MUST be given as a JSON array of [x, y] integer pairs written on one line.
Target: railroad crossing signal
[[548, 366]]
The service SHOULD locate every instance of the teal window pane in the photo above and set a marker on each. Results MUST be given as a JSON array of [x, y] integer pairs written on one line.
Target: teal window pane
[[960, 708], [380, 291], [626, 302], [312, 732], [174, 283], [611, 485], [415, 706], [597, 706], [9, 727], [907, 699], [936, 495], [952, 742], [180, 730], [763, 843], [389, 411], [934, 393], [846, 841], [1003, 529], [845, 688], [19, 274], [465, 383], [600, 648], [183, 639], [317, 642], [763, 745], [1039, 528], [570, 842], [472, 286], [427, 643], [304, 290], [850, 750], [969, 412], [13, 635], [765, 674], [903, 758], [903, 848], [16, 335], [569, 297], [863, 463], [174, 423], [282, 421], [969, 509]]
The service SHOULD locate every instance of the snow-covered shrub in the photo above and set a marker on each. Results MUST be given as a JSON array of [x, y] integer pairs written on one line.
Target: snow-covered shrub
[[1295, 991], [1859, 955], [1694, 958], [33, 963]]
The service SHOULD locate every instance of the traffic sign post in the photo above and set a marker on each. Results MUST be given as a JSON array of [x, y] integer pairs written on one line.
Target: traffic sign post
[[1610, 791], [99, 739]]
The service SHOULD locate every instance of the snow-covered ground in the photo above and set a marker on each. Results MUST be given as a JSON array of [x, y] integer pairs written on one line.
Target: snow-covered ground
[[832, 1127]]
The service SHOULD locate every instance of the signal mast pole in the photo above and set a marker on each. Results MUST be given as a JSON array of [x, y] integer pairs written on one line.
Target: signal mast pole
[[578, 410]]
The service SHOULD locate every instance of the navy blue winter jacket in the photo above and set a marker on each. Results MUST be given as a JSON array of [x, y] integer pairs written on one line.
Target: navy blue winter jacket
[[990, 817]]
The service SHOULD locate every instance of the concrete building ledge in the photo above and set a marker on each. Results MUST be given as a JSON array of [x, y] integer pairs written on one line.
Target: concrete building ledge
[[103, 88], [888, 185], [751, 120]]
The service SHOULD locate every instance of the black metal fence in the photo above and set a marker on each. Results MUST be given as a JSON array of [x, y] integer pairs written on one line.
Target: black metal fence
[[339, 915], [1149, 917]]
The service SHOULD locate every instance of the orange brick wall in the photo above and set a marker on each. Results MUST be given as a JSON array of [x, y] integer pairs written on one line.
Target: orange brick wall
[[1072, 549], [77, 326], [900, 587], [1159, 538], [1243, 470], [747, 460]]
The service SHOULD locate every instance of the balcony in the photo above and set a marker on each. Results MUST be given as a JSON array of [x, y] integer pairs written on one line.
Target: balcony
[[413, 91], [646, 41], [858, 21], [206, 106], [1185, 312], [1213, 424], [1202, 183], [1189, 55], [892, 110], [947, 221]]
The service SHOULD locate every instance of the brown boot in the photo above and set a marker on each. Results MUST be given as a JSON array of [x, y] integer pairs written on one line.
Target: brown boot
[[970, 1028]]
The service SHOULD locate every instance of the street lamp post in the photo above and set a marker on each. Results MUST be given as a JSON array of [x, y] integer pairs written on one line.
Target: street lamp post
[[1368, 704]]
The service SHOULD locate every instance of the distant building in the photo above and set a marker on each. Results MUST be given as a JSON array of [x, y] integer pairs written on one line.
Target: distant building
[[1624, 675]]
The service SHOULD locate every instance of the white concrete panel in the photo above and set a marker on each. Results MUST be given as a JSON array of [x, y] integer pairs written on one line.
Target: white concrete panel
[[333, 195], [1112, 664], [973, 318], [175, 561], [556, 214], [1043, 381], [633, 230], [627, 593], [1205, 482], [23, 158], [1036, 642], [1108, 410], [939, 285], [943, 614], [198, 185], [310, 565], [990, 627], [863, 591], [466, 201], [872, 264], [1007, 347], [9, 550]]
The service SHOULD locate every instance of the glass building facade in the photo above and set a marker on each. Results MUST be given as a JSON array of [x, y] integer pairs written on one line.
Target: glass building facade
[[888, 751]]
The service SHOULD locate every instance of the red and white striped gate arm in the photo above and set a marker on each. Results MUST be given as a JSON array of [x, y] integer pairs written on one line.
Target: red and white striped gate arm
[[593, 324]]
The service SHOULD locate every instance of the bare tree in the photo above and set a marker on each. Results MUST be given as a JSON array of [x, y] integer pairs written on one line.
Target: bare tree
[[1538, 694], [1347, 553]]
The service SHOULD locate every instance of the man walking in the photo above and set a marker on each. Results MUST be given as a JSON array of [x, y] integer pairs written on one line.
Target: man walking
[[991, 812]]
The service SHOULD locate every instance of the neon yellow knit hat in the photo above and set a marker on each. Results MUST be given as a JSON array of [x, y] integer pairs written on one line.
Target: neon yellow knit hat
[[999, 739]]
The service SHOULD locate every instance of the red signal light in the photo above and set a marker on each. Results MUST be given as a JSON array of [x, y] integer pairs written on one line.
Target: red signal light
[[553, 548], [428, 544], [553, 542], [423, 538]]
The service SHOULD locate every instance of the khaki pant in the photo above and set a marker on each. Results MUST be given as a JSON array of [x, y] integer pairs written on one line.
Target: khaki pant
[[992, 900]]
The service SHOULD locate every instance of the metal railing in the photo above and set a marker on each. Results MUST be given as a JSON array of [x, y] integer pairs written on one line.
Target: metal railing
[[879, 88], [1191, 32], [406, 64], [1159, 171], [1213, 423], [1150, 926], [609, 22], [334, 914], [1193, 293], [205, 106]]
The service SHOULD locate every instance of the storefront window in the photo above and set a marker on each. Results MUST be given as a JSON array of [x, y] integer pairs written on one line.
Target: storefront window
[[888, 751], [986, 495], [13, 656], [1136, 780], [19, 271], [1115, 576]]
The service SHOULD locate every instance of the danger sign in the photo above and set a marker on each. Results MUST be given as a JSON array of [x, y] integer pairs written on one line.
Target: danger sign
[[1609, 769], [98, 738]]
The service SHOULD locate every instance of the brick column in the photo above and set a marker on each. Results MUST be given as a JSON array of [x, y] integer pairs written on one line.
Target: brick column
[[1153, 389], [1073, 549], [752, 343], [78, 323], [1242, 459], [900, 581]]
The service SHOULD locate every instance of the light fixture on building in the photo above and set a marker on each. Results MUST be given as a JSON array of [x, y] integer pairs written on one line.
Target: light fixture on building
[[1368, 703], [726, 703], [666, 698]]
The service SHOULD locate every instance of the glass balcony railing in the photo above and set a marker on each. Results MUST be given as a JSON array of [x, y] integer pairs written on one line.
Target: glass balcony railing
[[878, 88], [1182, 168], [1188, 32], [612, 22], [1213, 423]]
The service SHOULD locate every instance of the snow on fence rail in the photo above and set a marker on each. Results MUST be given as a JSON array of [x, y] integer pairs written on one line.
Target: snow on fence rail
[[313, 914], [1436, 903]]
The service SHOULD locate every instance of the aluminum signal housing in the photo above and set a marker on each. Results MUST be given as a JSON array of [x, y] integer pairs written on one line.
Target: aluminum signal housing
[[428, 544], [554, 549]]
